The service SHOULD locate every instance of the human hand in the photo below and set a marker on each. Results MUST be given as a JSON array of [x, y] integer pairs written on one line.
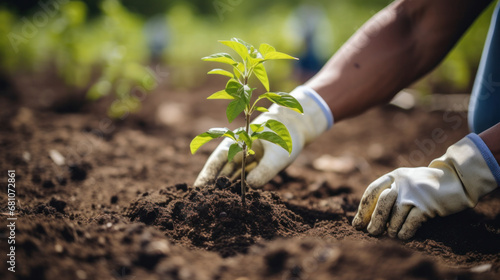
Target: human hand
[[269, 159], [405, 198]]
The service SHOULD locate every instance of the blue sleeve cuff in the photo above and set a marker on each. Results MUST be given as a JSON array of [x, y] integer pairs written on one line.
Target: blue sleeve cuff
[[321, 102], [487, 155]]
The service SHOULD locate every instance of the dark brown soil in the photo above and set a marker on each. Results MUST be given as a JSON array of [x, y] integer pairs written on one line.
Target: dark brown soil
[[122, 206]]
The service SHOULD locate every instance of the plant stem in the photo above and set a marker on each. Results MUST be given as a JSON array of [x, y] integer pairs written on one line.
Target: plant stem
[[243, 162]]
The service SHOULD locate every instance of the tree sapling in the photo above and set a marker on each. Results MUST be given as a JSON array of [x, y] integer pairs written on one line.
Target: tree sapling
[[240, 92]]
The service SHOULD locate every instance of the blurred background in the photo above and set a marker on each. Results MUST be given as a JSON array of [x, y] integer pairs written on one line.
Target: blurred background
[[124, 49]]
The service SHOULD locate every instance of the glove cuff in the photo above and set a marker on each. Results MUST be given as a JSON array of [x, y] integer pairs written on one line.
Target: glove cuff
[[474, 165], [487, 156], [312, 94], [317, 117]]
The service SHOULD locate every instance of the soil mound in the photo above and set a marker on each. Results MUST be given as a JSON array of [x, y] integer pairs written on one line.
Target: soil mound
[[213, 217]]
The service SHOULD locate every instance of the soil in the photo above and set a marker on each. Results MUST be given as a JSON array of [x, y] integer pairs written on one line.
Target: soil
[[122, 205]]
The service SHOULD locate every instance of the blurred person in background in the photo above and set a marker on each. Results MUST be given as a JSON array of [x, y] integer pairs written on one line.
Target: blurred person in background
[[157, 37], [306, 26], [397, 46]]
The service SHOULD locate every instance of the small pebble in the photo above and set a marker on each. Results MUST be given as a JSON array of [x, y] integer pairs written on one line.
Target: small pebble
[[81, 274], [26, 156], [328, 163], [170, 113], [375, 151], [288, 195], [158, 247], [101, 240], [222, 215], [58, 248], [57, 157], [481, 268]]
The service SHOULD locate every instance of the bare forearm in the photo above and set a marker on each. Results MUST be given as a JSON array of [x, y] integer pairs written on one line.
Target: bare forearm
[[491, 138], [393, 49]]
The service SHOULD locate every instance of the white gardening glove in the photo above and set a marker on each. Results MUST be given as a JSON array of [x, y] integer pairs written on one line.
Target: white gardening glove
[[270, 158], [405, 198]]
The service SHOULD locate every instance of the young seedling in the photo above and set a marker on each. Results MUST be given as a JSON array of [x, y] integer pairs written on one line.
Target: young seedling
[[240, 92]]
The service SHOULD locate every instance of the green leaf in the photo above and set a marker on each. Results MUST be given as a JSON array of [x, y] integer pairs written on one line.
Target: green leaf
[[261, 74], [281, 130], [284, 99], [247, 94], [247, 45], [278, 55], [243, 135], [234, 108], [231, 135], [256, 127], [251, 152], [220, 57], [266, 48], [221, 94], [254, 53], [238, 70], [261, 109], [238, 47], [221, 72], [234, 88], [255, 61], [205, 137], [273, 138], [233, 150]]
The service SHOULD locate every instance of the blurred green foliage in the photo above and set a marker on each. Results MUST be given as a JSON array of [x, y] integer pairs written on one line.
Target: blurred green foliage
[[101, 45], [111, 46], [278, 25]]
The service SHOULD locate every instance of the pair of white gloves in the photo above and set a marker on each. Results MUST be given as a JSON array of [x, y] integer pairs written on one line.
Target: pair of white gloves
[[399, 201]]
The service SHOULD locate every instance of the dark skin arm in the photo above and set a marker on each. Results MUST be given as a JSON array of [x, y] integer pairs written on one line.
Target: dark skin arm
[[393, 49]]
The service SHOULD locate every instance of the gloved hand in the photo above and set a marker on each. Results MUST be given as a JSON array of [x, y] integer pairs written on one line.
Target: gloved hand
[[407, 197], [269, 158]]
